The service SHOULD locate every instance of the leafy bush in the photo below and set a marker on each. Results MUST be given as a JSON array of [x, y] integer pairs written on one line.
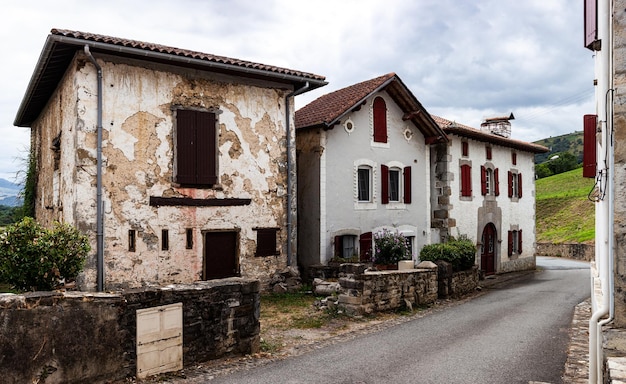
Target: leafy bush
[[390, 247], [35, 258], [461, 253]]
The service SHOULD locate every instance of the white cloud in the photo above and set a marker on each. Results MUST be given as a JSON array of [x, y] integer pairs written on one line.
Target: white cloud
[[463, 60]]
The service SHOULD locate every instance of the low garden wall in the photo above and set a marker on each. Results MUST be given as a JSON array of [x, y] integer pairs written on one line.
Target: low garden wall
[[79, 337], [455, 284], [576, 251], [364, 292]]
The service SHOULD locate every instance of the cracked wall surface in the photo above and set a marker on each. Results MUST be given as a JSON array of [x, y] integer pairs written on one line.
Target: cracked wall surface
[[138, 162]]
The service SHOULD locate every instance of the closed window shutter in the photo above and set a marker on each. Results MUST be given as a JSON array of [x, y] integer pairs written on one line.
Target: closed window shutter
[[380, 120], [206, 149], [365, 246], [483, 180], [384, 184], [511, 184], [266, 242], [519, 242], [466, 180], [407, 185], [510, 250], [519, 185], [465, 148], [338, 246], [496, 182], [185, 147]]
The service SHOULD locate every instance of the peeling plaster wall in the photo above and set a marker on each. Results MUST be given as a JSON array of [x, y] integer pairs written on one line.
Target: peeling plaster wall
[[138, 157]]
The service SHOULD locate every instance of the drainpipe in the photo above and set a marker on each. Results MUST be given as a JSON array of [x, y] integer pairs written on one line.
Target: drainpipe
[[99, 213], [290, 170], [605, 260]]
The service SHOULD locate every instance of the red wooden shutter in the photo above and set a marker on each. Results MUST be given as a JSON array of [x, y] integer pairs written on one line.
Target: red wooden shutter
[[488, 152], [384, 184], [510, 250], [185, 147], [514, 158], [591, 24], [338, 246], [519, 242], [380, 120], [365, 247], [483, 180], [589, 145], [464, 148], [511, 184], [519, 185], [407, 185], [466, 180], [496, 181]]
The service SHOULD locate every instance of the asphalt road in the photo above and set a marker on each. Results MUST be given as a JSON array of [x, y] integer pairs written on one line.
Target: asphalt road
[[515, 333]]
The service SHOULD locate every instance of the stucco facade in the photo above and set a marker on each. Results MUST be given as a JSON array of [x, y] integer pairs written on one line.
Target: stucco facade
[[157, 231]]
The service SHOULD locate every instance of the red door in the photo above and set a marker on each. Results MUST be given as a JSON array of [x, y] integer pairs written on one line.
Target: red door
[[488, 250], [220, 255]]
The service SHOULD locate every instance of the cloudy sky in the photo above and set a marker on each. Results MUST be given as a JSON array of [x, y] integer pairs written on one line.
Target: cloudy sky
[[464, 60]]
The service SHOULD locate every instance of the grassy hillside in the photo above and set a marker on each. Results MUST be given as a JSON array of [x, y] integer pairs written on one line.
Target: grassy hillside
[[564, 213], [571, 142]]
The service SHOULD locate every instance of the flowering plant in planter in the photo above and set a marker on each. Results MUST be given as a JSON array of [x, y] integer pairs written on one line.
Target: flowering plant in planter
[[390, 247]]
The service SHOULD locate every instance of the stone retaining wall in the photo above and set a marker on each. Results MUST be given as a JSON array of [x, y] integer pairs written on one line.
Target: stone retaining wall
[[576, 251], [79, 337], [364, 292], [455, 284]]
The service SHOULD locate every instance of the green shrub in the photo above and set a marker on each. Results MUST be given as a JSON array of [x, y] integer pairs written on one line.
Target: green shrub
[[390, 247], [461, 253], [35, 258]]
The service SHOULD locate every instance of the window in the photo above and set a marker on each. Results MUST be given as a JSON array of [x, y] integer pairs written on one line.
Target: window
[[196, 148], [345, 246], [365, 247], [364, 183], [464, 148], [515, 184], [266, 241], [380, 120], [490, 184], [165, 239], [488, 152], [466, 180], [189, 238], [514, 158], [395, 184], [132, 240], [515, 242]]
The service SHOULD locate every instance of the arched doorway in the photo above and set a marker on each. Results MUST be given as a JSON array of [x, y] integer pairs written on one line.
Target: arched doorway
[[488, 249]]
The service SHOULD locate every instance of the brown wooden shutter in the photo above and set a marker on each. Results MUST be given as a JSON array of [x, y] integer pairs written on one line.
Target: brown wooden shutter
[[380, 120], [510, 183], [365, 247], [464, 148], [488, 152], [206, 149], [519, 185], [514, 158], [384, 184], [266, 242], [338, 246], [510, 250], [589, 145], [185, 147], [519, 242], [496, 181], [483, 180], [407, 185]]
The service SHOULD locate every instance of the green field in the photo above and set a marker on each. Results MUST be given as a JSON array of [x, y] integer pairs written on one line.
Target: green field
[[564, 213]]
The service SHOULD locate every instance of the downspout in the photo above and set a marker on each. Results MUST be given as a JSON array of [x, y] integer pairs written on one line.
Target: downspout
[[99, 213], [607, 278], [290, 170]]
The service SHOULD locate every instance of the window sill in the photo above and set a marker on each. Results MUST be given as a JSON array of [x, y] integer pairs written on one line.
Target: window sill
[[364, 206], [396, 206]]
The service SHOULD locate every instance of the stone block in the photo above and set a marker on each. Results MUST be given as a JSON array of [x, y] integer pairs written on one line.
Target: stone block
[[406, 264]]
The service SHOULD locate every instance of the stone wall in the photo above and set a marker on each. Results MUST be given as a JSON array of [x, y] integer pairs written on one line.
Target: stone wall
[[364, 292], [576, 251], [79, 337], [455, 284]]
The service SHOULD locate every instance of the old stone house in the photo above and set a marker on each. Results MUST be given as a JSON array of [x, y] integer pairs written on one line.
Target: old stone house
[[363, 157], [179, 164], [484, 188]]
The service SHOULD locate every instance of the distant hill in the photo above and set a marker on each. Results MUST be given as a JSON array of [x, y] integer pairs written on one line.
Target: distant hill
[[571, 142], [9, 193]]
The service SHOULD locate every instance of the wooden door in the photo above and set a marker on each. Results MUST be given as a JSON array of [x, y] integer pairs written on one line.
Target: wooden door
[[159, 339], [220, 255], [488, 250]]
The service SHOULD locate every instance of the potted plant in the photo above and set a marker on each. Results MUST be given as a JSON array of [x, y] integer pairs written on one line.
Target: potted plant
[[389, 248]]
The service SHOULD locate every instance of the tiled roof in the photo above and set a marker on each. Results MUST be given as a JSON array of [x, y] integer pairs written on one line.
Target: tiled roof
[[331, 106], [328, 110], [61, 47], [451, 127]]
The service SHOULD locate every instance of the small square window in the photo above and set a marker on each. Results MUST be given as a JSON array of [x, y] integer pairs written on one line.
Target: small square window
[[266, 241], [514, 158], [165, 239], [464, 148], [189, 238], [488, 152]]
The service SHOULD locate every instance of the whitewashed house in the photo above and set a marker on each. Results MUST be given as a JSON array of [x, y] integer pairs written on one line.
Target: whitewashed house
[[179, 164], [484, 188], [363, 159]]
